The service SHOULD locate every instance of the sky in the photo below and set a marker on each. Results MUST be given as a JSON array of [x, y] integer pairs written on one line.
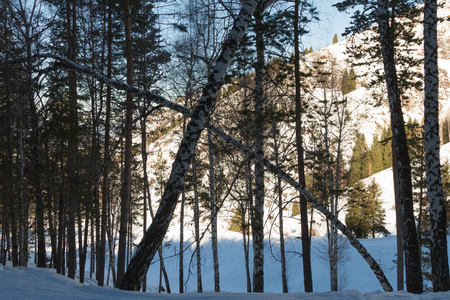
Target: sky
[[331, 21]]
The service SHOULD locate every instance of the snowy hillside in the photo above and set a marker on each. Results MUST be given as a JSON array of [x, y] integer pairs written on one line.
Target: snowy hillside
[[367, 118], [385, 180], [364, 118]]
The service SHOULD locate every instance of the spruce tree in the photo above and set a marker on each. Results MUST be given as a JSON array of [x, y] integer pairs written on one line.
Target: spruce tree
[[375, 212], [376, 155], [359, 164], [348, 81], [335, 39], [355, 219], [365, 214], [445, 131]]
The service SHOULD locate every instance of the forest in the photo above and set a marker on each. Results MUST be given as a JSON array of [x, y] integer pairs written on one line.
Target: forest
[[123, 119]]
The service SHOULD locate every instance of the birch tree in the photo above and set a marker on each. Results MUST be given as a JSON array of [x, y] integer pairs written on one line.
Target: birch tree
[[157, 99], [438, 223], [258, 208], [410, 244], [154, 235]]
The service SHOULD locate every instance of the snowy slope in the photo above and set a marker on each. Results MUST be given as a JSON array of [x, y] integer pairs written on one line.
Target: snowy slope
[[385, 180]]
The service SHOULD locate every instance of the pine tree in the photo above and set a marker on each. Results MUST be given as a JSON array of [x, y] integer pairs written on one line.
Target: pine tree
[[356, 219], [359, 164], [375, 213], [348, 81], [365, 215], [335, 39], [445, 131], [376, 155], [147, 248], [386, 152]]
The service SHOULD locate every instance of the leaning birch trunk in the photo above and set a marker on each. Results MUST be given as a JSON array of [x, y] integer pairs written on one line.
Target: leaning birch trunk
[[258, 209], [213, 214], [159, 100], [438, 226], [147, 248], [316, 204], [414, 282]]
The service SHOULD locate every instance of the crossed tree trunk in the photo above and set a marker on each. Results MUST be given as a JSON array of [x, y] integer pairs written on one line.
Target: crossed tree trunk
[[132, 279]]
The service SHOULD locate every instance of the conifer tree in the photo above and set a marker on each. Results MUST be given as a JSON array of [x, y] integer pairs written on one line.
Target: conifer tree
[[359, 164], [376, 155], [445, 131], [365, 215], [335, 39], [356, 212], [348, 81]]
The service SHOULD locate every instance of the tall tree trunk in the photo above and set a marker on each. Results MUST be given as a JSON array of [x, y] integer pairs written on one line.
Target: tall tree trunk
[[246, 234], [105, 185], [126, 186], [410, 244], [306, 239], [213, 215], [398, 215], [23, 203], [155, 234], [146, 187], [73, 200], [197, 227], [280, 212], [9, 202], [438, 221], [258, 213], [60, 256]]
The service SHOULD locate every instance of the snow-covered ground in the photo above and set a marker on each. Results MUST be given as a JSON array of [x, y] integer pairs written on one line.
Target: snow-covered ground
[[356, 280], [359, 281]]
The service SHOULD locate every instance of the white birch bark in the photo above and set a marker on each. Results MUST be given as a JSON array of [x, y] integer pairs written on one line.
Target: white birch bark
[[438, 226], [146, 249], [258, 209], [410, 244], [159, 100]]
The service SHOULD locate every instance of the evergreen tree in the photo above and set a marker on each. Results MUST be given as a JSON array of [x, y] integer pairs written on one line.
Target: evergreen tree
[[376, 155], [445, 131], [446, 186], [335, 39], [365, 215], [348, 81], [375, 212], [359, 164], [356, 219], [386, 152]]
